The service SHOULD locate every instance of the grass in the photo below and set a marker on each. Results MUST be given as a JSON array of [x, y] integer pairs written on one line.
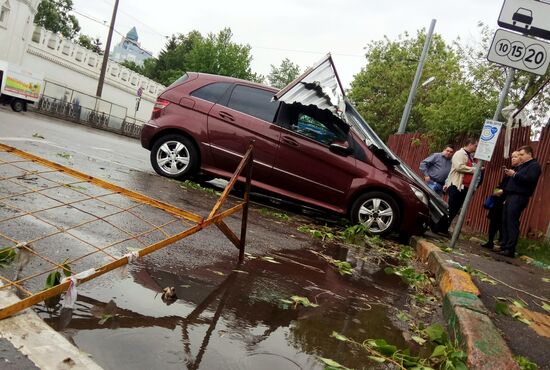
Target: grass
[[536, 249]]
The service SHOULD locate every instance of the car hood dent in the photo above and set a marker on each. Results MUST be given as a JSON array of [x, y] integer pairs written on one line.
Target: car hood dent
[[318, 86]]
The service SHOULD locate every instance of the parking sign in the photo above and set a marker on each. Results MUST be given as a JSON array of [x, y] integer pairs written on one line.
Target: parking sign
[[520, 52], [488, 140]]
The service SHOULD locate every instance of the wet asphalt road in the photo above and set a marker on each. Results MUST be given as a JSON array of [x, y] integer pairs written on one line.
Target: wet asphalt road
[[252, 330]]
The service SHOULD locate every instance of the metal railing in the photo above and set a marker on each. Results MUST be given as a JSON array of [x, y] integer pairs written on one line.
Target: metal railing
[[75, 106]]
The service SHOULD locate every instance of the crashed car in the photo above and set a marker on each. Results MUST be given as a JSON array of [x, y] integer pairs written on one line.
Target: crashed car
[[310, 146]]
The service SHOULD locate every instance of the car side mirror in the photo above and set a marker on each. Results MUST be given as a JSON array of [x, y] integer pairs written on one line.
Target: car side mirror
[[341, 148]]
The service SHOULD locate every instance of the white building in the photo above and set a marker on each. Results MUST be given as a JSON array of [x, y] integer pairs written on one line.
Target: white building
[[130, 49], [69, 66]]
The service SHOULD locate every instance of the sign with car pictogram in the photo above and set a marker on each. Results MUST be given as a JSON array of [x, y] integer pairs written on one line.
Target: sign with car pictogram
[[531, 17], [520, 52]]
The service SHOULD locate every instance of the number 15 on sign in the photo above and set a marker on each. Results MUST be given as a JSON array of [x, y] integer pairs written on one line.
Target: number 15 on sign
[[520, 52]]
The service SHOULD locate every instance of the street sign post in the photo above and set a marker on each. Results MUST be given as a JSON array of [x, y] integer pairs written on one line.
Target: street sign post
[[488, 140], [531, 17], [520, 52]]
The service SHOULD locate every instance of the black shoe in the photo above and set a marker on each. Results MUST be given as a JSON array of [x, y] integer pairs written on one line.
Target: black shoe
[[507, 253], [487, 245]]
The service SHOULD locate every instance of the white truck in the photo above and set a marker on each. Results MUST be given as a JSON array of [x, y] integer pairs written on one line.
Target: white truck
[[18, 86]]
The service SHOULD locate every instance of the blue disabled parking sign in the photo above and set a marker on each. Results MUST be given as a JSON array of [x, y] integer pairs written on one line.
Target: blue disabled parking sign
[[488, 140]]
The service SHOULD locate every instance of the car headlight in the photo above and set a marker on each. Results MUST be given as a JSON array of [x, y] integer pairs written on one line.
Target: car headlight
[[419, 194]]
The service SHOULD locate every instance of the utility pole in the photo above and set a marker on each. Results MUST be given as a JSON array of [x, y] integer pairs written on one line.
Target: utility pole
[[106, 54], [412, 93], [477, 173]]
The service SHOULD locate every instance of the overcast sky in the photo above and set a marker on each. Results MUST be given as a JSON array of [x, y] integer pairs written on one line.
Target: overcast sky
[[301, 30]]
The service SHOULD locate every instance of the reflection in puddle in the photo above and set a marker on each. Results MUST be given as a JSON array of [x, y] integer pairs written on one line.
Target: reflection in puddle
[[234, 321]]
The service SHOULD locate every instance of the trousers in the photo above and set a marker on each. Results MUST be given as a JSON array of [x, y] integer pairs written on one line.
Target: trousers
[[514, 205], [456, 200]]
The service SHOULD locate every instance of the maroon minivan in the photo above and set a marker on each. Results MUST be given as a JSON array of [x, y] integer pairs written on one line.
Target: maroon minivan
[[204, 123]]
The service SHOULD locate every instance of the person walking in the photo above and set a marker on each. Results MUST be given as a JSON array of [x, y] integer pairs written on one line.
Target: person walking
[[460, 177], [495, 212], [519, 188], [436, 168]]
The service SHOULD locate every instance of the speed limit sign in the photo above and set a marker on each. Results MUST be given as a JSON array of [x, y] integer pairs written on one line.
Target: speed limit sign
[[520, 52]]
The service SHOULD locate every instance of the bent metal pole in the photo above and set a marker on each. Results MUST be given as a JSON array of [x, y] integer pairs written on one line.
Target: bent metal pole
[[419, 68], [477, 173]]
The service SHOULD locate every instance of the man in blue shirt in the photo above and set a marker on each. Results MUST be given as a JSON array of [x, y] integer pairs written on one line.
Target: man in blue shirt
[[436, 168]]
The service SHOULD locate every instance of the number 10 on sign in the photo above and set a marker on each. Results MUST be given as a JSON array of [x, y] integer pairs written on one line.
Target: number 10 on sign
[[520, 52]]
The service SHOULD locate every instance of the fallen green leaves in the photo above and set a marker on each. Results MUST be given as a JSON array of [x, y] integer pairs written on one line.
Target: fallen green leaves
[[274, 214], [445, 355], [409, 275], [525, 364], [7, 256], [297, 300], [38, 136], [344, 268], [187, 184], [64, 155]]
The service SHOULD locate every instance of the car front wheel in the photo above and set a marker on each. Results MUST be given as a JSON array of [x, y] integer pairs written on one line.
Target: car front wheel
[[377, 211], [174, 156]]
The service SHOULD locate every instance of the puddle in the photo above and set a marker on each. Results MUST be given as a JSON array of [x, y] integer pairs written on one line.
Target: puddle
[[232, 321]]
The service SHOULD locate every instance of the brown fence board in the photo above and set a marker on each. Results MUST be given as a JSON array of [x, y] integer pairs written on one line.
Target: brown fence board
[[412, 148]]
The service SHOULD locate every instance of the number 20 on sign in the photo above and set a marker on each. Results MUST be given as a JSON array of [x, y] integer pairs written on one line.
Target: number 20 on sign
[[520, 52]]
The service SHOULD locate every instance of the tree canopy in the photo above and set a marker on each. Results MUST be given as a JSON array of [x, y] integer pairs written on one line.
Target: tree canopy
[[54, 15], [215, 53], [445, 108], [281, 76], [94, 44]]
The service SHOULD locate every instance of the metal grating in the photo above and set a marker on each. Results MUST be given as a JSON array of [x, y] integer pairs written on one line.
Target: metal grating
[[53, 218]]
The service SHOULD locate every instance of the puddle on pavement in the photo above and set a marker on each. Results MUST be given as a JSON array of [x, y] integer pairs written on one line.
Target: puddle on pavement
[[233, 321]]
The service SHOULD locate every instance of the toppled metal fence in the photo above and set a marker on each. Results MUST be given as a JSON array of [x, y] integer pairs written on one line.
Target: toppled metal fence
[[61, 102], [56, 221]]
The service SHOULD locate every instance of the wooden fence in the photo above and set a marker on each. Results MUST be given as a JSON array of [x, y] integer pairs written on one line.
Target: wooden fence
[[414, 147]]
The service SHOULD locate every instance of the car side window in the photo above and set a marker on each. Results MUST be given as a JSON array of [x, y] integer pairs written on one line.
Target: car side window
[[253, 101], [212, 92], [317, 130]]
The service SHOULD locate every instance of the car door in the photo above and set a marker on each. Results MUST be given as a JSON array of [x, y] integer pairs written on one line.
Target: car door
[[246, 116], [306, 167]]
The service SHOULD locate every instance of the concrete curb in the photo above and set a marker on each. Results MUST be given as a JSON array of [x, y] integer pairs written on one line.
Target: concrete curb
[[45, 347], [465, 314]]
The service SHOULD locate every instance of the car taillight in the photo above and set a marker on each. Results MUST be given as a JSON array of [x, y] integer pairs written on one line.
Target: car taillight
[[159, 107]]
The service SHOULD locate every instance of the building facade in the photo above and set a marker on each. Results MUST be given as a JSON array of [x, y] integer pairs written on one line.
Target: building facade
[[130, 49], [68, 65]]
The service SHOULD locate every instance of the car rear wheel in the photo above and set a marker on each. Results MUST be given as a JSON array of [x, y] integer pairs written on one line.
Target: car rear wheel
[[174, 156], [377, 211]]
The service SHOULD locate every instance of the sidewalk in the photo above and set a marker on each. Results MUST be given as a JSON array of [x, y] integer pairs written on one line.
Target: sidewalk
[[510, 280], [27, 342]]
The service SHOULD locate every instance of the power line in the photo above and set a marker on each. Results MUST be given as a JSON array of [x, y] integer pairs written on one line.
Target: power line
[[104, 23]]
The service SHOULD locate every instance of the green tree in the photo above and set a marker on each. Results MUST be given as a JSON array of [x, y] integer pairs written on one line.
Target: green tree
[[215, 53], [54, 16], [444, 109], [90, 43], [281, 76]]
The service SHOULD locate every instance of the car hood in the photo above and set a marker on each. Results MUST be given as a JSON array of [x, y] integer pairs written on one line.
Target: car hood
[[320, 86]]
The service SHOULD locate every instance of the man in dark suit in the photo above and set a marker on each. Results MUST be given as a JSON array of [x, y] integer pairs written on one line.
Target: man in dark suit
[[519, 188]]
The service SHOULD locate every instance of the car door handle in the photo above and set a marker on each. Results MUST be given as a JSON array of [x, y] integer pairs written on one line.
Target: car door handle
[[290, 141], [227, 116]]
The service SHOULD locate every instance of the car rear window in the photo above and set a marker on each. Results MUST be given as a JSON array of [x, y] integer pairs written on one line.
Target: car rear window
[[212, 92], [253, 101]]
